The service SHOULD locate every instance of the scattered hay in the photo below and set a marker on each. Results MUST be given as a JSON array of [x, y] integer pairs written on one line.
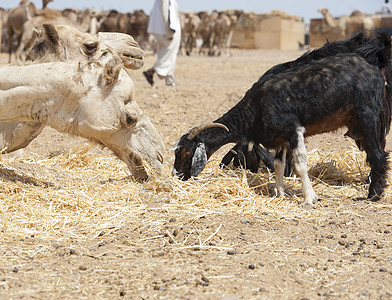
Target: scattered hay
[[93, 192]]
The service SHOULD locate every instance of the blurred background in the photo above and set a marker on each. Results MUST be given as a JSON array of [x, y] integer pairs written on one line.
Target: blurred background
[[209, 27]]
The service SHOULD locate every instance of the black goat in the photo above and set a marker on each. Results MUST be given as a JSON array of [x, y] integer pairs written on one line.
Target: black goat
[[359, 43], [279, 112]]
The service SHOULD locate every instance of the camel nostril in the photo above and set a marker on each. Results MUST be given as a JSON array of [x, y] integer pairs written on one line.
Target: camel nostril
[[160, 157], [130, 119]]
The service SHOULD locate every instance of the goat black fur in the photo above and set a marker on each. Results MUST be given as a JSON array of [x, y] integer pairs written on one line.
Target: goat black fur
[[370, 48], [318, 96]]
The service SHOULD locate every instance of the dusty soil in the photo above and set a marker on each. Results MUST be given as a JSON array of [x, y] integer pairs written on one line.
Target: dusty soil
[[342, 249]]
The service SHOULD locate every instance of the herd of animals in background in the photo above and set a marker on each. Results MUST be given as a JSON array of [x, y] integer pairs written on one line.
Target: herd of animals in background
[[347, 24], [342, 84], [214, 29]]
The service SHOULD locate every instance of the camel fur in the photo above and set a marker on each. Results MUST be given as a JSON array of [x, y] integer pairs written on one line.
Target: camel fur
[[63, 42]]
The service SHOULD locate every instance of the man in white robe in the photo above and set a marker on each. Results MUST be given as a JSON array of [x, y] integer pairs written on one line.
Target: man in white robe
[[165, 25], [386, 9]]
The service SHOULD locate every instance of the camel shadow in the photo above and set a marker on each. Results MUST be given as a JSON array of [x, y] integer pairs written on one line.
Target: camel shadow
[[330, 173], [15, 175]]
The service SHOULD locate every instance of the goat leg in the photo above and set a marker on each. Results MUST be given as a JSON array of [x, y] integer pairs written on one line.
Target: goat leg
[[300, 161], [279, 163]]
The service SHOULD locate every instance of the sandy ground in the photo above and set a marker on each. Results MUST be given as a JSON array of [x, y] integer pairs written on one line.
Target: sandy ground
[[343, 251]]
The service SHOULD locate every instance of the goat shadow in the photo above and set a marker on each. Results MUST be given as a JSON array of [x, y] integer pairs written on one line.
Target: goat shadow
[[330, 173]]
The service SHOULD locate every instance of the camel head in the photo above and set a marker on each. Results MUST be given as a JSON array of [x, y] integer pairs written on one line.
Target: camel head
[[124, 46], [45, 3], [323, 11], [110, 116], [62, 43]]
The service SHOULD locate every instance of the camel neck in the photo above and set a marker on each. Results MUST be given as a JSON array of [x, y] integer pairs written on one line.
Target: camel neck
[[329, 19], [29, 93]]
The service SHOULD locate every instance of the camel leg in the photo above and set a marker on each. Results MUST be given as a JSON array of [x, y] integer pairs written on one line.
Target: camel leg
[[211, 45], [228, 43], [10, 39], [1, 34], [19, 49]]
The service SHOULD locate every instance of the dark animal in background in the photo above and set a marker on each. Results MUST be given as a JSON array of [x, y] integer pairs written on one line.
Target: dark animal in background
[[320, 96], [359, 43]]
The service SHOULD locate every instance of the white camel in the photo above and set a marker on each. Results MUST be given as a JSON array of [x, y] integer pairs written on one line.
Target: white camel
[[63, 42], [91, 99], [60, 43], [347, 25]]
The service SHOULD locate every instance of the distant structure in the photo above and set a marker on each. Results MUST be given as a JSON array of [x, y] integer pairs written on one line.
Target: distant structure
[[275, 30], [331, 28]]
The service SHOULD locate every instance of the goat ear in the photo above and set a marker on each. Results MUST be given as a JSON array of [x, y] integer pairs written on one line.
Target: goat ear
[[112, 70], [199, 160], [51, 33]]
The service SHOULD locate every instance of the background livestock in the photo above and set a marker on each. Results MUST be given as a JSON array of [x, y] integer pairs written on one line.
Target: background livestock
[[212, 32], [72, 225]]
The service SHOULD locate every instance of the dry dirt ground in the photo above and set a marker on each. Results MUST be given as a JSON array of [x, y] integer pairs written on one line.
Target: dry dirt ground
[[156, 244]]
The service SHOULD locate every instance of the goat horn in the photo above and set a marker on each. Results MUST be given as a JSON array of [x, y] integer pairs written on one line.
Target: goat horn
[[196, 130]]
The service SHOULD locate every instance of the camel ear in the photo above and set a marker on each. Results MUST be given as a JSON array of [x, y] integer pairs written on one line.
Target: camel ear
[[112, 70], [199, 160], [51, 33]]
